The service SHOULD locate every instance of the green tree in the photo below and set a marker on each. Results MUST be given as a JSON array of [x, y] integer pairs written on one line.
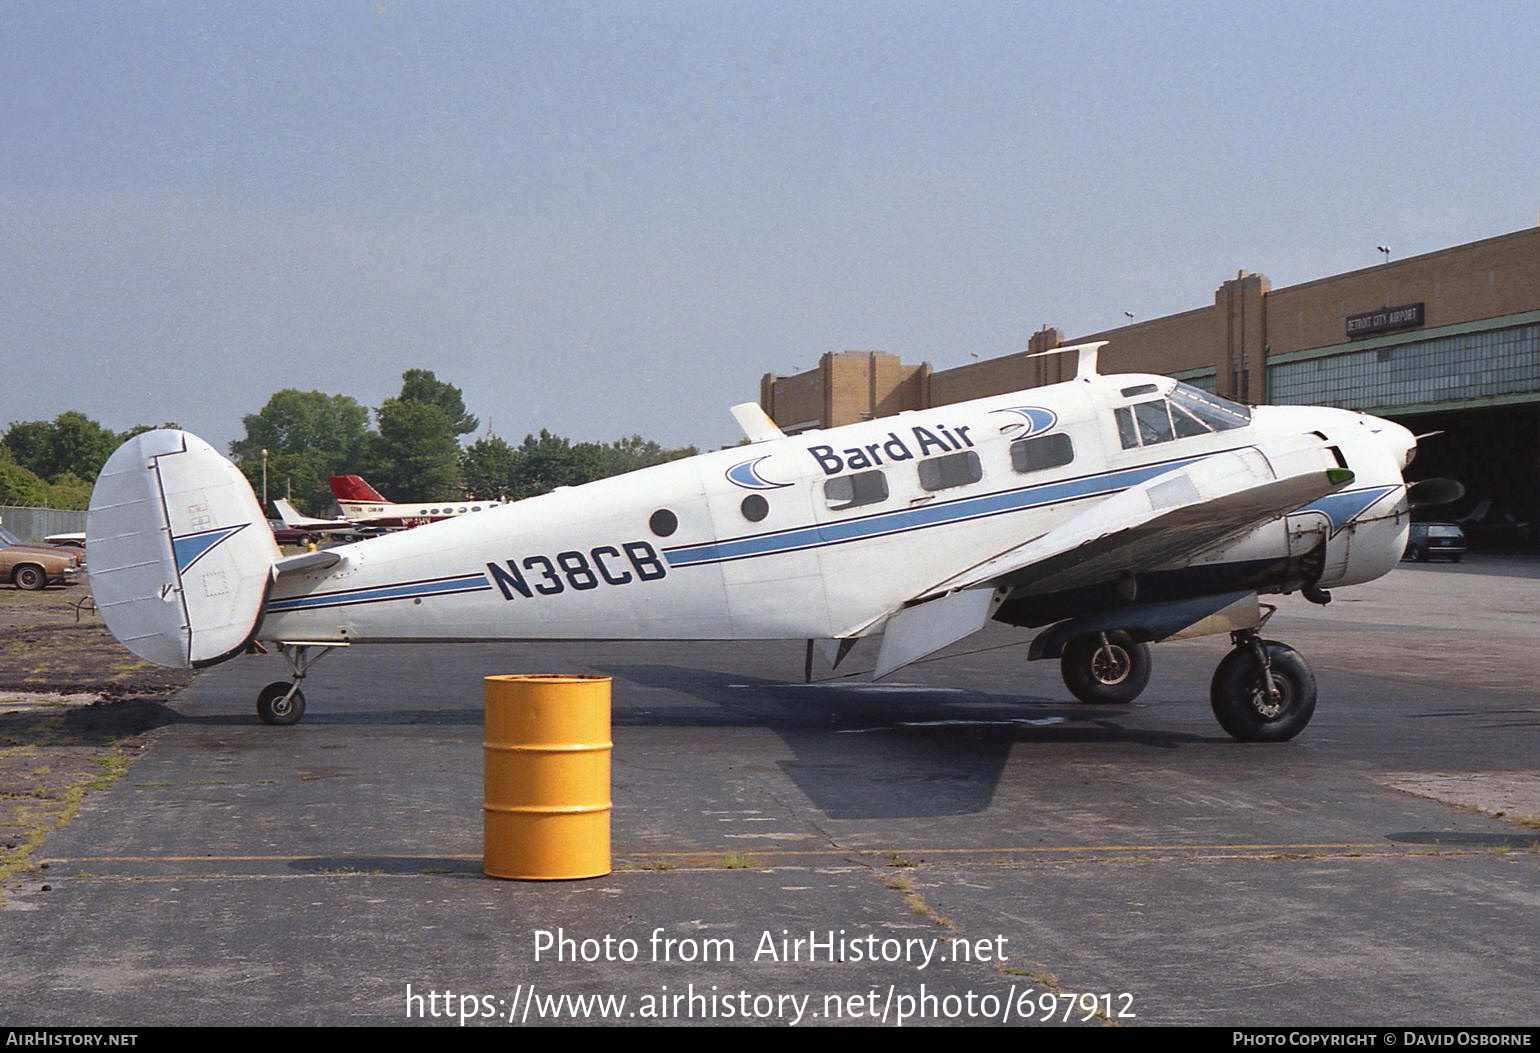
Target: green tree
[[416, 457], [491, 468], [308, 435], [420, 385], [140, 429], [488, 468], [18, 486], [71, 443], [634, 453], [69, 491], [548, 461]]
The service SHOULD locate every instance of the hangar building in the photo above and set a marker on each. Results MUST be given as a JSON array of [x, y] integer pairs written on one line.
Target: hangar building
[[1448, 341]]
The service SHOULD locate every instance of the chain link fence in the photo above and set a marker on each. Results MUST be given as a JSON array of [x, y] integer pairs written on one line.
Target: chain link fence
[[34, 524]]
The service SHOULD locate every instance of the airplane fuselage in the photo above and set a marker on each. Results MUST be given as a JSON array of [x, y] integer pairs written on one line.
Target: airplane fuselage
[[826, 534]]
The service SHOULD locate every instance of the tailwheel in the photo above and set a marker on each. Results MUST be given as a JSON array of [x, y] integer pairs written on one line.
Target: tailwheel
[[281, 703], [1263, 691], [1105, 667]]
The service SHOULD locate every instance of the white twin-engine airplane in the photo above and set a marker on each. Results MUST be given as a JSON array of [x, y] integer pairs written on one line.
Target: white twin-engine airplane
[[1116, 511], [364, 506]]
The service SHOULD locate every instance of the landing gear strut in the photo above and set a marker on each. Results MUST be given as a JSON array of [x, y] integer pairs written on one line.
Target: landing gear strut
[[1105, 667], [282, 702], [1262, 691]]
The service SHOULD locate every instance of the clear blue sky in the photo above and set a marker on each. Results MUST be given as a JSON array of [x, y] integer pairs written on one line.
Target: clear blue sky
[[605, 218]]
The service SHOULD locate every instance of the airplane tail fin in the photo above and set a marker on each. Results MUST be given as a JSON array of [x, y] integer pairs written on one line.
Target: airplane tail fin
[[353, 488], [288, 514], [181, 556]]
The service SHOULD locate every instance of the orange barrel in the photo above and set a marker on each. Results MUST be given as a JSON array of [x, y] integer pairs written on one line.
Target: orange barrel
[[546, 766]]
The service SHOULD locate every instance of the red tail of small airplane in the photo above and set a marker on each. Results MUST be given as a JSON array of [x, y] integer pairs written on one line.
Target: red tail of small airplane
[[353, 488]]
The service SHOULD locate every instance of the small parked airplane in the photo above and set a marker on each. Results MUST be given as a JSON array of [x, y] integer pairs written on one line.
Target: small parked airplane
[[1114, 511], [363, 505], [293, 520]]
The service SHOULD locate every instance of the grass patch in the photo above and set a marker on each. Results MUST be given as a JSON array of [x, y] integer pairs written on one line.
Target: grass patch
[[915, 902]]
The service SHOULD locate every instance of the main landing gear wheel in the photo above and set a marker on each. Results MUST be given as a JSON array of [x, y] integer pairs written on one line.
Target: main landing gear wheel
[[1263, 691], [1105, 667], [281, 703]]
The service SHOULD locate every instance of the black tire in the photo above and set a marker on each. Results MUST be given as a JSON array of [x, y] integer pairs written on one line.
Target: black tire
[[1110, 675], [1419, 555], [1240, 703], [31, 577], [1454, 559], [277, 710]]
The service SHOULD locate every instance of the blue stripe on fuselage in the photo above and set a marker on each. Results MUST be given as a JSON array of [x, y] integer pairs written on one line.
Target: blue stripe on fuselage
[[379, 593], [882, 524]]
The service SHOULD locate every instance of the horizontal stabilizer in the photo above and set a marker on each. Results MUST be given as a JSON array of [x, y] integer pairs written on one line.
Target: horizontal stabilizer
[[306, 561], [181, 556]]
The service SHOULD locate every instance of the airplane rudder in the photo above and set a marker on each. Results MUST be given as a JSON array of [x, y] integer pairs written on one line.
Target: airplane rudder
[[181, 557], [353, 488]]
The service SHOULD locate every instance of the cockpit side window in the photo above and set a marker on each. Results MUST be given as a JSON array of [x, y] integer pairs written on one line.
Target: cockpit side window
[[1154, 422], [1127, 432], [852, 491]]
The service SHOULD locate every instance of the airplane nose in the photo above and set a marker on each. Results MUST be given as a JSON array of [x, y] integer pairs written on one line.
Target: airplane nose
[[1399, 441]]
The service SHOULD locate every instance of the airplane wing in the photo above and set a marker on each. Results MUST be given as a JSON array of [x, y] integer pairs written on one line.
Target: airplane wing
[[1171, 517]]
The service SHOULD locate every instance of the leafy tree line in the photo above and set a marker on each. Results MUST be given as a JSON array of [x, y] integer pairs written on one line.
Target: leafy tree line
[[53, 464], [493, 469], [412, 453]]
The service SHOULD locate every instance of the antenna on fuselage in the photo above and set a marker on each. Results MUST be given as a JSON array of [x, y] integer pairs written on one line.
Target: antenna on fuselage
[[1085, 364]]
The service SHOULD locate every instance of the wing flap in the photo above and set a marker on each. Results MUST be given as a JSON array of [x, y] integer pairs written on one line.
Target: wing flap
[[917, 631]]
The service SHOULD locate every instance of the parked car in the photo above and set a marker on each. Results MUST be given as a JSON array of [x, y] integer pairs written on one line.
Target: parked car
[[285, 535], [36, 565], [1435, 541]]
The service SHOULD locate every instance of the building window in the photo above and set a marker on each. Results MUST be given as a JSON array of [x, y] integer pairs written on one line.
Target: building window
[[1479, 365]]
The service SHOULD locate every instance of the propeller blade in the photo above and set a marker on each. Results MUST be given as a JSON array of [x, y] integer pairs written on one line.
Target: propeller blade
[[1426, 493]]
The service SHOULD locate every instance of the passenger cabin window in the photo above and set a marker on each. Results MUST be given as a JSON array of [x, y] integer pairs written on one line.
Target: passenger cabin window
[[1041, 452], [955, 469], [852, 491]]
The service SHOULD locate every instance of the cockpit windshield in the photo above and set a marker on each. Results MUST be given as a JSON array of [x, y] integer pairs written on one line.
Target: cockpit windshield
[[1219, 414], [1185, 413]]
